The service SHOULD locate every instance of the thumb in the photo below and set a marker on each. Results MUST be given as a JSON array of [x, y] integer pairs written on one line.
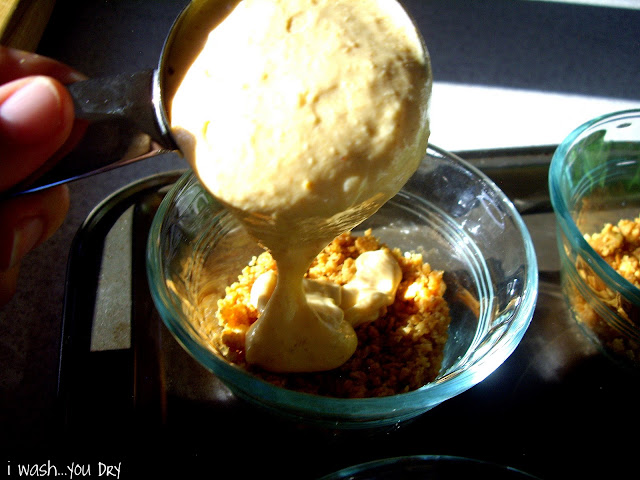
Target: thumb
[[36, 117]]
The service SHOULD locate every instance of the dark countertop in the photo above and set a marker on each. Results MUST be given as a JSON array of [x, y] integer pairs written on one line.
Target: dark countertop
[[566, 50]]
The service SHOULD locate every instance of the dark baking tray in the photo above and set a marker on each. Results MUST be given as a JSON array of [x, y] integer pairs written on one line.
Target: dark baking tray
[[555, 409]]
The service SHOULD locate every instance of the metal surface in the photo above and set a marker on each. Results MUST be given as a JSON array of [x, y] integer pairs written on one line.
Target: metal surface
[[123, 127], [555, 409]]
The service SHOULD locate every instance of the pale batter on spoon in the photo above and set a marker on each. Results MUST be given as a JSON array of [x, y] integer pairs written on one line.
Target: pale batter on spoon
[[304, 117]]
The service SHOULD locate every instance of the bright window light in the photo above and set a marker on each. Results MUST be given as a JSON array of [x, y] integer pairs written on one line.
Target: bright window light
[[632, 4]]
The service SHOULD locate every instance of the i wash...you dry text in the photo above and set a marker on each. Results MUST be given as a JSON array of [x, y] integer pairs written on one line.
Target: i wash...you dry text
[[74, 470]]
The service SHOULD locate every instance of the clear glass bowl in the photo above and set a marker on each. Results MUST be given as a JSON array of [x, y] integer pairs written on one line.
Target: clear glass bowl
[[594, 179], [453, 214], [424, 467]]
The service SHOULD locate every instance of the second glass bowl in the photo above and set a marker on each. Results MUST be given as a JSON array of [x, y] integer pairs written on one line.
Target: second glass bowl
[[594, 180]]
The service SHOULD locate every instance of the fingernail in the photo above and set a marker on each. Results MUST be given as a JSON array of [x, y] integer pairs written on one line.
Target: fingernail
[[73, 77], [32, 113], [25, 237]]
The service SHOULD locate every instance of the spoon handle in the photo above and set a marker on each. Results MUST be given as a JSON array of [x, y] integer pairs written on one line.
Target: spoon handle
[[125, 122]]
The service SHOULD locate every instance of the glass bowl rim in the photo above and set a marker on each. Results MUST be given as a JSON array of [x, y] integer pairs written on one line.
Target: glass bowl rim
[[353, 471], [404, 404], [564, 219]]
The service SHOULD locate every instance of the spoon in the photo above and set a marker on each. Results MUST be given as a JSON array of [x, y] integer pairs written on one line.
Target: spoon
[[126, 114]]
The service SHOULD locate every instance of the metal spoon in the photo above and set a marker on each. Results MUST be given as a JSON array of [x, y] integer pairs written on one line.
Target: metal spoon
[[126, 114]]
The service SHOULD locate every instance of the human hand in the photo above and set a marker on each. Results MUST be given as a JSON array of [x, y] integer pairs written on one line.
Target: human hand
[[36, 121]]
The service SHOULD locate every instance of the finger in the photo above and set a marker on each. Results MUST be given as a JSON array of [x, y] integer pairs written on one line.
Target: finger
[[17, 64], [36, 118], [29, 220], [8, 284]]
